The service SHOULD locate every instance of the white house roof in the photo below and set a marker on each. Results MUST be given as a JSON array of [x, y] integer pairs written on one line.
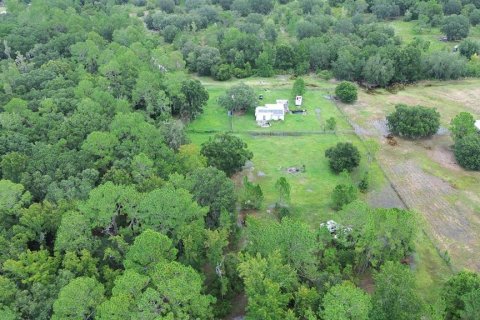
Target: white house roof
[[477, 124], [261, 110], [270, 108]]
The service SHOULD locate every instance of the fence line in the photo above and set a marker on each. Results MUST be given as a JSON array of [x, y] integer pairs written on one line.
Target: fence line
[[276, 133]]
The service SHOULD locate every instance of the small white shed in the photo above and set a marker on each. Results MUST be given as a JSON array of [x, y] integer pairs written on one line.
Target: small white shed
[[270, 112], [298, 101], [477, 125]]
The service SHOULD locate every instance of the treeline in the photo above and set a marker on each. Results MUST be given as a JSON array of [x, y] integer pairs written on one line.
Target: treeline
[[240, 38]]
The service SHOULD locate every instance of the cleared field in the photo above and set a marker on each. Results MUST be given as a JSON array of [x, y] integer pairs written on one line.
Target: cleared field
[[316, 103], [311, 190], [425, 172], [408, 31]]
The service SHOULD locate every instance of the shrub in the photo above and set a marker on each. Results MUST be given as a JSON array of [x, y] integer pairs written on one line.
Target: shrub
[[413, 122], [346, 92], [467, 151], [222, 72], [468, 48], [344, 156], [364, 183], [331, 124], [342, 195], [298, 87], [251, 196], [445, 65], [462, 125]]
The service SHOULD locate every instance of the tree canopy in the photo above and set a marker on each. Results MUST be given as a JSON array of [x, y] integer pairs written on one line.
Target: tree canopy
[[413, 122]]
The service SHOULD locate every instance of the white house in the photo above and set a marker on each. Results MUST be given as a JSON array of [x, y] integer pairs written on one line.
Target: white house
[[270, 112], [284, 103], [477, 125]]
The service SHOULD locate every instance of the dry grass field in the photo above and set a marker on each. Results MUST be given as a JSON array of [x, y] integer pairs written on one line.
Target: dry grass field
[[425, 173]]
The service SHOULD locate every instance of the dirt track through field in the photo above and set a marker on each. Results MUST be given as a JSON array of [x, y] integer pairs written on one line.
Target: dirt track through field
[[454, 226]]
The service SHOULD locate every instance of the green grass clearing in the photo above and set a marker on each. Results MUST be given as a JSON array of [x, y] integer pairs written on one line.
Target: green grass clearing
[[311, 190], [319, 108]]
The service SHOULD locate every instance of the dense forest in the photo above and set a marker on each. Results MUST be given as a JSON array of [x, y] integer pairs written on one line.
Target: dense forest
[[109, 212]]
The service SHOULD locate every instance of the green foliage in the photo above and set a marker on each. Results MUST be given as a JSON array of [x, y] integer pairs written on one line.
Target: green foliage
[[74, 233], [413, 122], [211, 188], [392, 282], [78, 299], [171, 290], [196, 97], [468, 48], [384, 235], [456, 27], [283, 189], [222, 73], [226, 152], [343, 194], [239, 98], [105, 209], [462, 125], [13, 165], [148, 249], [252, 195], [331, 124], [298, 87], [346, 92], [344, 156], [467, 151], [445, 66], [458, 292], [294, 240], [364, 184], [346, 302], [378, 71], [264, 65], [268, 284]]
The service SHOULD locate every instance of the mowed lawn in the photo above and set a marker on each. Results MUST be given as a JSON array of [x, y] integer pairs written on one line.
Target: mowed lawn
[[315, 101], [310, 190]]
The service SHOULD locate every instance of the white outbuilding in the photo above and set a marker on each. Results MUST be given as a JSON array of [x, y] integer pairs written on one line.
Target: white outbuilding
[[298, 101], [477, 125], [270, 112]]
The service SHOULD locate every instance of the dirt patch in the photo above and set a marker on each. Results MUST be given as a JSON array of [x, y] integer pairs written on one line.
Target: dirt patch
[[385, 198], [367, 283], [444, 156], [239, 305], [466, 97], [452, 225], [381, 126]]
